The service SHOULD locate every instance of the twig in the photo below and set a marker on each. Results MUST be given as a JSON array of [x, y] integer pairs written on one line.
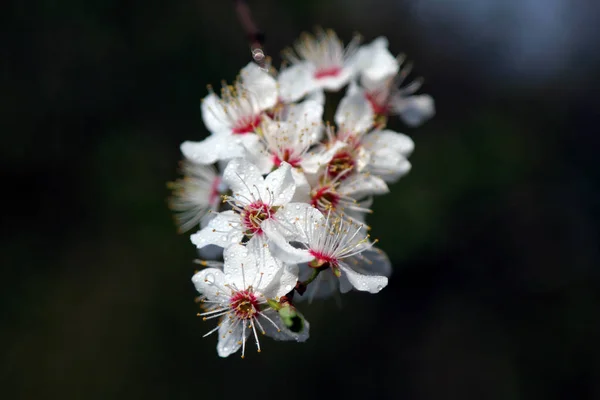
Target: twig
[[254, 35]]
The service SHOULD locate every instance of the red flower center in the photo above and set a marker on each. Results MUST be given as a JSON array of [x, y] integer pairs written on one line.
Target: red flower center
[[246, 124], [287, 157], [340, 165], [253, 215], [324, 198], [380, 109], [327, 72], [322, 259], [244, 304]]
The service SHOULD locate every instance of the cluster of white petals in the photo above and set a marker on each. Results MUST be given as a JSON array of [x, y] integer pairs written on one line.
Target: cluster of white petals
[[280, 196]]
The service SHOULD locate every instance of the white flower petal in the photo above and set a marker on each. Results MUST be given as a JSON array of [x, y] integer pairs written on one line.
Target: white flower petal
[[365, 283], [372, 261], [204, 152], [208, 283], [302, 193], [223, 230], [244, 180], [335, 83], [213, 114], [295, 82], [307, 119], [320, 157], [354, 114], [230, 336], [362, 185], [281, 185], [241, 266], [414, 110], [261, 85], [391, 140], [375, 60], [389, 165]]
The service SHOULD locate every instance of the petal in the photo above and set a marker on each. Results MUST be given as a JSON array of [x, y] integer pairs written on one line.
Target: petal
[[414, 110], [372, 261], [260, 84], [277, 235], [335, 83], [376, 61], [223, 230], [213, 114], [240, 266], [306, 118], [389, 165], [280, 331], [354, 114], [302, 193], [209, 282], [314, 160], [244, 180], [285, 281], [362, 185], [203, 152], [386, 139], [230, 336], [364, 283], [295, 82], [281, 185]]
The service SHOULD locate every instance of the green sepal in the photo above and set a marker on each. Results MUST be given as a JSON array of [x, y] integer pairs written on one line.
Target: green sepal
[[274, 304], [291, 318]]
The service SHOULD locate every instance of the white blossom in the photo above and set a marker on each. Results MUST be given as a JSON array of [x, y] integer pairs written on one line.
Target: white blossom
[[381, 77], [238, 294], [233, 118], [317, 62], [194, 195], [257, 205], [288, 213]]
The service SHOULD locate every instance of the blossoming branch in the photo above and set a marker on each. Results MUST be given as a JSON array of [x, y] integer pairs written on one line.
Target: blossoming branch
[[281, 197]]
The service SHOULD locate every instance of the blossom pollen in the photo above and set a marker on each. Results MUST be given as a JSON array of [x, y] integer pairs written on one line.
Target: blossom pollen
[[246, 124], [340, 165], [254, 214], [324, 198], [327, 72], [244, 304]]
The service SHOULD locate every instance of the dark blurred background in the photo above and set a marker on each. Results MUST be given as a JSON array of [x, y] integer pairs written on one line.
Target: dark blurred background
[[494, 234]]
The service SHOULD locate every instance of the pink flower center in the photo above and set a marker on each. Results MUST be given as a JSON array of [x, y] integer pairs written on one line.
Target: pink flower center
[[322, 259], [327, 72], [246, 124], [287, 157], [253, 215], [244, 304], [324, 198], [378, 108], [340, 165]]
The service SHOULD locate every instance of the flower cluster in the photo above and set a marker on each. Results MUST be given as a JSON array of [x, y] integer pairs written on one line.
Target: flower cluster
[[281, 196]]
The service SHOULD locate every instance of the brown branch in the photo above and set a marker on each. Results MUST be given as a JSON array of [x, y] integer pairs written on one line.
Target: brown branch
[[254, 35]]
